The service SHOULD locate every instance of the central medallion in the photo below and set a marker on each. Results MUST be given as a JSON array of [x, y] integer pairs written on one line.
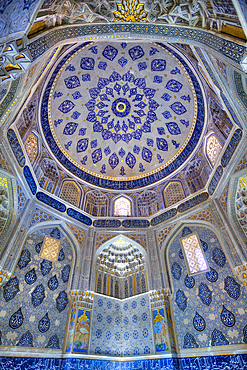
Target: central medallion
[[123, 116], [121, 107]]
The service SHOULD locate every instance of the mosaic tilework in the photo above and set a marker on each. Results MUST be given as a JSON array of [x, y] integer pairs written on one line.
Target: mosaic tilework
[[67, 105], [240, 89], [16, 147], [4, 164], [231, 147], [233, 362], [121, 327], [79, 233], [199, 304], [21, 198], [164, 32], [242, 164], [122, 105], [30, 180], [40, 215], [138, 238], [223, 197], [34, 304], [162, 234], [204, 215], [50, 249]]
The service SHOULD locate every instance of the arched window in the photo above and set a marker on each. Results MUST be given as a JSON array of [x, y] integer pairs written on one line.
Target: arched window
[[194, 255], [31, 146], [70, 193], [213, 149], [122, 207], [173, 193]]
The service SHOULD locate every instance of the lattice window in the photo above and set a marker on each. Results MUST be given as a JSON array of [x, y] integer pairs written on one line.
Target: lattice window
[[50, 249], [122, 207], [173, 193], [214, 148], [70, 193], [194, 255], [31, 146]]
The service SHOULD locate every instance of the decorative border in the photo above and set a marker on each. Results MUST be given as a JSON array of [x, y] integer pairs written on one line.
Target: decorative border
[[215, 180], [123, 184], [107, 223], [193, 202], [163, 217], [30, 180], [50, 201], [166, 33], [16, 147], [231, 147], [239, 87], [79, 216]]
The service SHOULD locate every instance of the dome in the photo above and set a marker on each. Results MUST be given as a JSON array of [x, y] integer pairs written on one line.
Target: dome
[[120, 115]]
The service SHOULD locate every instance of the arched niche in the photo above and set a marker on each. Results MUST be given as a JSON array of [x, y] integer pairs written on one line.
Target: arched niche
[[120, 268], [213, 148], [36, 297], [122, 206], [147, 203], [70, 192], [173, 193], [196, 298], [96, 203]]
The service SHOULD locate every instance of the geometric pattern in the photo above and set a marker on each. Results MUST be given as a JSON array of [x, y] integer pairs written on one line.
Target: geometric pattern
[[50, 249], [194, 254]]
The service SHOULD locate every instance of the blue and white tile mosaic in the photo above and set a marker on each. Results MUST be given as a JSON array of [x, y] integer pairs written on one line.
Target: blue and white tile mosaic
[[34, 302], [209, 308], [122, 107], [121, 328], [233, 362]]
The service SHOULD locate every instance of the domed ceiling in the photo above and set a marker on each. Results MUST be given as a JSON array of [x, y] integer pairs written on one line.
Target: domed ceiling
[[122, 116]]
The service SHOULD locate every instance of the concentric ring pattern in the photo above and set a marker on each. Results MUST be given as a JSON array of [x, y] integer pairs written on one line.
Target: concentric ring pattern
[[121, 115]]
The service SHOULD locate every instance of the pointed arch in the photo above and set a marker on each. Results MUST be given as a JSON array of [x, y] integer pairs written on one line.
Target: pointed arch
[[122, 206], [173, 193], [213, 149], [112, 268]]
